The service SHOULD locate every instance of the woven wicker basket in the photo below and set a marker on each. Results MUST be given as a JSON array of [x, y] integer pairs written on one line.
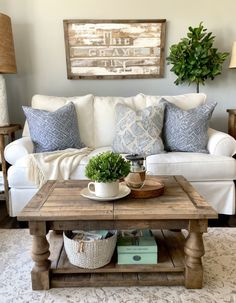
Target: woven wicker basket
[[89, 254]]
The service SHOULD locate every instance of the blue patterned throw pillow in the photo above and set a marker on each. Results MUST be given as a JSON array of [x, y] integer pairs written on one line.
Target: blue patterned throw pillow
[[138, 132], [186, 130], [52, 131]]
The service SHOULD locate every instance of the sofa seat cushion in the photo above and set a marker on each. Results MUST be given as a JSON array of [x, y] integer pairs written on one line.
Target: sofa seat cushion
[[17, 173], [193, 166]]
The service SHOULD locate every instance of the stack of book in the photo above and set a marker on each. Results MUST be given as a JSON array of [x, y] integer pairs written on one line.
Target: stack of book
[[137, 247]]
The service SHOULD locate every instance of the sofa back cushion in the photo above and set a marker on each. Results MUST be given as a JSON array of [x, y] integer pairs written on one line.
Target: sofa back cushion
[[84, 110], [185, 102], [104, 116], [104, 111], [96, 115]]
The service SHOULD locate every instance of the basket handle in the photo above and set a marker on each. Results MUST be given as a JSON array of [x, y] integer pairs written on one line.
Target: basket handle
[[81, 247]]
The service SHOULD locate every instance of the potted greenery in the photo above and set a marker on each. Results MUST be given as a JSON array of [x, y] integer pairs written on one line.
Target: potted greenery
[[106, 169], [195, 59]]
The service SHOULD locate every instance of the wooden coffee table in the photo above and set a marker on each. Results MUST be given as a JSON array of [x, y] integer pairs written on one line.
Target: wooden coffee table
[[58, 205]]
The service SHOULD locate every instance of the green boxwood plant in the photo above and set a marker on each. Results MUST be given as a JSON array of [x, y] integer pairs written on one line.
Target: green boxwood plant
[[107, 167], [194, 58]]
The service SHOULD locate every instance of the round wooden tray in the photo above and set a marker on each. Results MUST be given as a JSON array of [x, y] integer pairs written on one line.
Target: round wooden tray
[[152, 188]]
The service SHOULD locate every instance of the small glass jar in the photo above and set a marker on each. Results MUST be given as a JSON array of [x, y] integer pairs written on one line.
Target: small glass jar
[[137, 162]]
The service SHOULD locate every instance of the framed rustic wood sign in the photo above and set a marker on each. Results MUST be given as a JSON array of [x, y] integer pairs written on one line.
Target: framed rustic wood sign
[[111, 49]]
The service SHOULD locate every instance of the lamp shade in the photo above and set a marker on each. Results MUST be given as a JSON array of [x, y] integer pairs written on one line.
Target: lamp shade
[[233, 56], [7, 53]]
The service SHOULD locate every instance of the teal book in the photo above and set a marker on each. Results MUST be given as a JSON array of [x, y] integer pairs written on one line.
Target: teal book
[[137, 250]]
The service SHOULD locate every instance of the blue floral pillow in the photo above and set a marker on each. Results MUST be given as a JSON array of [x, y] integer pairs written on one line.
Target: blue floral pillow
[[52, 131]]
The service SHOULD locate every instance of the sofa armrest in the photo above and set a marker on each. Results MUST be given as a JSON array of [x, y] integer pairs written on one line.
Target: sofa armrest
[[221, 144], [17, 149]]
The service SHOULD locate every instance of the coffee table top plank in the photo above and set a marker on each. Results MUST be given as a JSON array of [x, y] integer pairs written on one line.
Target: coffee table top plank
[[194, 196], [179, 201], [40, 197], [61, 200]]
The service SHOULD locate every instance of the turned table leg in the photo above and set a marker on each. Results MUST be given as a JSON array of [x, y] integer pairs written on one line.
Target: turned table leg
[[40, 255], [194, 250]]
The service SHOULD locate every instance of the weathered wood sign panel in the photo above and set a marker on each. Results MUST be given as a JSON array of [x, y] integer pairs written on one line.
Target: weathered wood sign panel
[[107, 49]]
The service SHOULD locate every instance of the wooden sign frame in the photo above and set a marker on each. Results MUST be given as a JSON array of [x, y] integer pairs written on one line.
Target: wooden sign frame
[[114, 49]]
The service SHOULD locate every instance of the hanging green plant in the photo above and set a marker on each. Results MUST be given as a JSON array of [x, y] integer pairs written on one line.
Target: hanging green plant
[[194, 58]]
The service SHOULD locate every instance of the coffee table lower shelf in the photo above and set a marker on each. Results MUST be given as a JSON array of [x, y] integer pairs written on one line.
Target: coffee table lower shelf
[[168, 271]]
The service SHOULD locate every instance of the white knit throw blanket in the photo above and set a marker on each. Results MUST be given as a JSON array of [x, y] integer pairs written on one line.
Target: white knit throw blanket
[[57, 165]]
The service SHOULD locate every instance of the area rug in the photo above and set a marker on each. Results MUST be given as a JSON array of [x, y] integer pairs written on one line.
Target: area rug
[[219, 278]]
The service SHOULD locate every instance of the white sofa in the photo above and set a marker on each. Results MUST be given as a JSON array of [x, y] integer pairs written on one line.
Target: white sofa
[[211, 174]]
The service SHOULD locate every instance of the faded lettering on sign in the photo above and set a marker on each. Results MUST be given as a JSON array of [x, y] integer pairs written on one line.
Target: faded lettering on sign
[[107, 49]]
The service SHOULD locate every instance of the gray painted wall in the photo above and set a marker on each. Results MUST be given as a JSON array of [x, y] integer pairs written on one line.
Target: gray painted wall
[[40, 54]]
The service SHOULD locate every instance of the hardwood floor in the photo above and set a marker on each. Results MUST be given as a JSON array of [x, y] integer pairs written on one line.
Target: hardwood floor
[[10, 222], [223, 221]]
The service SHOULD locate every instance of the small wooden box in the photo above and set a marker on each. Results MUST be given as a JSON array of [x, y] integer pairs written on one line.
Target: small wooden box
[[137, 250]]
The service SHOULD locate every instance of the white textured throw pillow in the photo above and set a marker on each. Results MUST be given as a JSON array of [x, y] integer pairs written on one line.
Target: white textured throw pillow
[[138, 132]]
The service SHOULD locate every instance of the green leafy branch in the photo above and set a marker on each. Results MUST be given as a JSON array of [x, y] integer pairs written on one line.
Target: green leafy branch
[[194, 58]]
